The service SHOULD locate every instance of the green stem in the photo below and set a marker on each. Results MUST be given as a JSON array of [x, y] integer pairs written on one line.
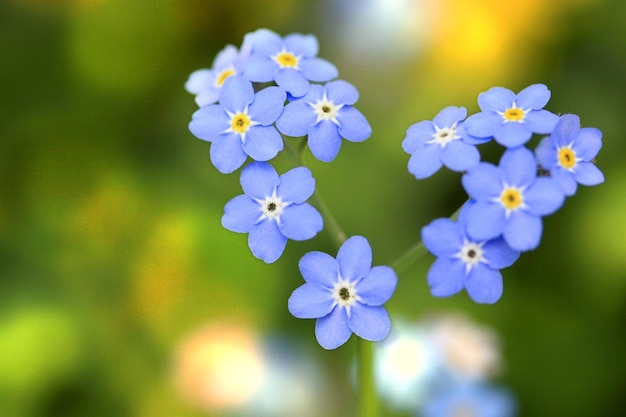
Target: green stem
[[368, 397]]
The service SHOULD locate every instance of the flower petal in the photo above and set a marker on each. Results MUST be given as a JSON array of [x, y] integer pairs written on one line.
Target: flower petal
[[268, 104], [319, 267], [449, 116], [540, 121], [417, 135], [483, 181], [236, 94], [266, 241], [587, 173], [496, 99], [355, 258], [484, 220], [324, 141], [369, 323], [240, 214], [301, 222], [353, 125], [459, 156], [296, 119], [300, 44], [546, 153], [512, 134], [258, 180], [296, 185], [317, 69], [425, 161], [208, 122], [445, 277], [310, 301], [534, 97], [341, 92], [332, 330], [443, 237], [263, 142], [519, 166], [227, 153], [259, 68], [484, 285], [565, 179], [523, 231], [292, 81], [482, 125], [377, 286], [499, 254], [544, 197], [588, 143]]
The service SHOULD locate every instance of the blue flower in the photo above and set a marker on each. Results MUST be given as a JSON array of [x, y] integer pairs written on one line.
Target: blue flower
[[441, 141], [512, 119], [510, 200], [273, 209], [241, 125], [471, 399], [345, 295], [568, 154], [326, 115], [464, 262], [290, 61]]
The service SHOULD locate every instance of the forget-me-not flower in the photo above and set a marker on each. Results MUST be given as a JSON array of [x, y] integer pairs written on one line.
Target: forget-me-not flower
[[512, 119], [568, 154], [471, 399], [465, 263], [432, 144], [345, 295], [273, 209], [510, 200], [290, 61], [241, 125], [326, 115]]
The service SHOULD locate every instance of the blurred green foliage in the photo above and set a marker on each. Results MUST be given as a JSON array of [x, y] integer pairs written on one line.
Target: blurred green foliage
[[111, 248]]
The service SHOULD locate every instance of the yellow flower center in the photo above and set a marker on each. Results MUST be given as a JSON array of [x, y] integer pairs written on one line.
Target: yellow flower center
[[286, 59], [240, 123], [514, 114], [567, 158], [223, 75], [511, 198]]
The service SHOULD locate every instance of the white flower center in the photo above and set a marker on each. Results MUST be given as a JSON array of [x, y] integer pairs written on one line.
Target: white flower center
[[272, 207], [345, 294], [471, 254], [326, 110], [444, 135]]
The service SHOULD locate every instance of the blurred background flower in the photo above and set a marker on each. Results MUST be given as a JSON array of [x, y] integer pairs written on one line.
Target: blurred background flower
[[112, 252]]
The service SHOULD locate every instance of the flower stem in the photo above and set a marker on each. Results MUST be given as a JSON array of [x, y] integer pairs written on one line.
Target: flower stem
[[368, 398]]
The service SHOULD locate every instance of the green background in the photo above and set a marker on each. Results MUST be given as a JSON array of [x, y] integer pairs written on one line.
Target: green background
[[111, 247]]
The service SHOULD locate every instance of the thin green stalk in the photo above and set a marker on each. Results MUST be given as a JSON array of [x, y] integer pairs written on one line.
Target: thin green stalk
[[368, 397]]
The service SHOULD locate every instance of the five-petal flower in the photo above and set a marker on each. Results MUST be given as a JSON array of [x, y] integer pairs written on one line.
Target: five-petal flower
[[241, 125], [273, 209], [345, 295], [568, 154]]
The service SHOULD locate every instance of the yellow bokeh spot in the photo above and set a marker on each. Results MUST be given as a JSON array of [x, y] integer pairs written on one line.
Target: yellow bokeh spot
[[287, 59], [567, 158], [511, 198], [514, 114], [240, 123], [223, 75]]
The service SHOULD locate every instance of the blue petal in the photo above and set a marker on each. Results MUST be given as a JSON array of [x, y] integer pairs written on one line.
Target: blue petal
[[566, 129], [310, 301], [324, 141], [446, 276], [377, 286], [264, 41], [332, 330], [495, 99], [355, 258], [268, 105], [240, 214], [449, 116], [459, 156], [227, 153], [512, 134], [484, 285], [369, 323], [588, 143], [546, 153], [499, 254], [208, 96], [425, 161], [259, 68], [482, 125], [483, 181], [262, 142], [301, 222], [296, 185], [443, 237], [565, 179], [199, 80], [320, 268], [236, 94], [225, 57], [297, 118], [523, 231], [341, 92], [292, 81], [317, 69], [534, 97], [540, 121], [418, 134], [353, 125], [208, 122], [484, 220], [587, 173], [543, 197], [519, 166], [258, 180], [300, 44], [266, 241]]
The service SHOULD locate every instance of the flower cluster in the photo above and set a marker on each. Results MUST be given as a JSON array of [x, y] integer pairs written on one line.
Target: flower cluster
[[251, 101], [503, 215]]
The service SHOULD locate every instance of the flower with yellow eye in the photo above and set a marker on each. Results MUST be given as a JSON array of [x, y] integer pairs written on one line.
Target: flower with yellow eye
[[290, 61], [510, 200], [512, 119], [568, 154]]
